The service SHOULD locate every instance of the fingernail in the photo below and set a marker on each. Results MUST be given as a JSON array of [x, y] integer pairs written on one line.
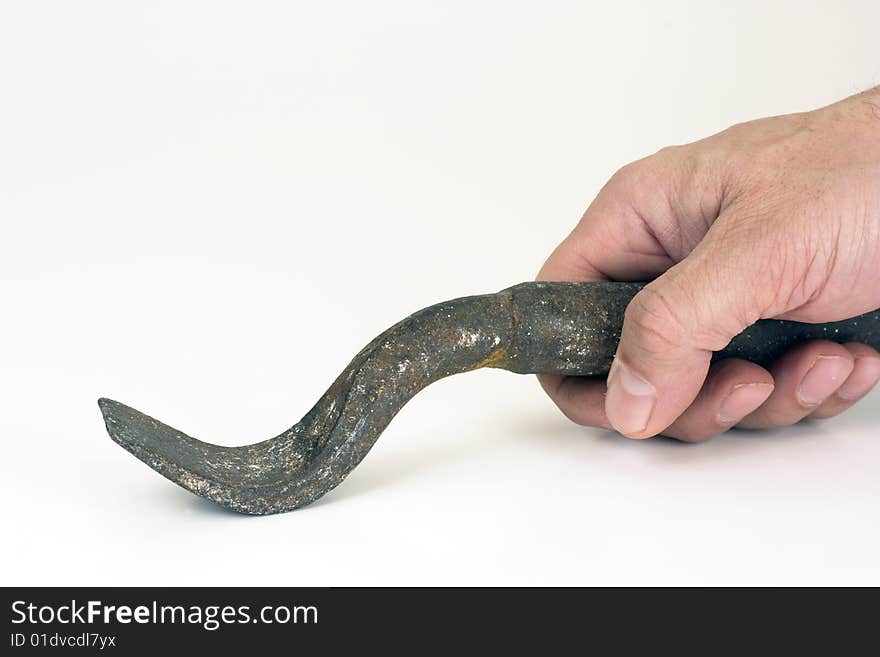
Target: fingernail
[[864, 376], [630, 399], [822, 379], [742, 400]]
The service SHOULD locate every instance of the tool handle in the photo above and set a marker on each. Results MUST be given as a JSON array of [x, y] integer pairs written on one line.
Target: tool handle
[[574, 328]]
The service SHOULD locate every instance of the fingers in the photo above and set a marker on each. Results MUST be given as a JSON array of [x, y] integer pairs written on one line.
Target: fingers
[[581, 399], [742, 394], [806, 377], [734, 389], [818, 380], [864, 376]]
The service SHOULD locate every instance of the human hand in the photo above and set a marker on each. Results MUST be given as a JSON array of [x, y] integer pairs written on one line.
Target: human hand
[[775, 218]]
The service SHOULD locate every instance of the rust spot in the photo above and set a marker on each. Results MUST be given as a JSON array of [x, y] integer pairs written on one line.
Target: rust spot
[[497, 358]]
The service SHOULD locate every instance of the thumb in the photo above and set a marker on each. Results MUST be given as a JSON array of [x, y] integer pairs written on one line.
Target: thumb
[[669, 333]]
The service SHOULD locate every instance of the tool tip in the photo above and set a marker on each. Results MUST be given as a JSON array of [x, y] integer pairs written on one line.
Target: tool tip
[[126, 426], [160, 446], [112, 411], [114, 418]]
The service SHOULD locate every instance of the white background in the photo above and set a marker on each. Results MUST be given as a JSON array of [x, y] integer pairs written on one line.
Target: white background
[[207, 208]]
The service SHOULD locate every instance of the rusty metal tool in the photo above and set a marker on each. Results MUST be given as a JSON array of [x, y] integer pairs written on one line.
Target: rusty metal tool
[[560, 328]]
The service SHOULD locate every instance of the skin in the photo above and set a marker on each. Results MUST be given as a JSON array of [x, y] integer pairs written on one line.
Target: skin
[[774, 218]]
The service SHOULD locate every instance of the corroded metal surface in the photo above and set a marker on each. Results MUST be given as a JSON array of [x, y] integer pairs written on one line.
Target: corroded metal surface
[[559, 328]]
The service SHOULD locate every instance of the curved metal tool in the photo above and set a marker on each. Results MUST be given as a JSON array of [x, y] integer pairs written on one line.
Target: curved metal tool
[[560, 328]]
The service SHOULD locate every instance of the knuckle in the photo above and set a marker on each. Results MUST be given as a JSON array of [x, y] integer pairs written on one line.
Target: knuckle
[[645, 170], [626, 175], [672, 151], [655, 319]]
